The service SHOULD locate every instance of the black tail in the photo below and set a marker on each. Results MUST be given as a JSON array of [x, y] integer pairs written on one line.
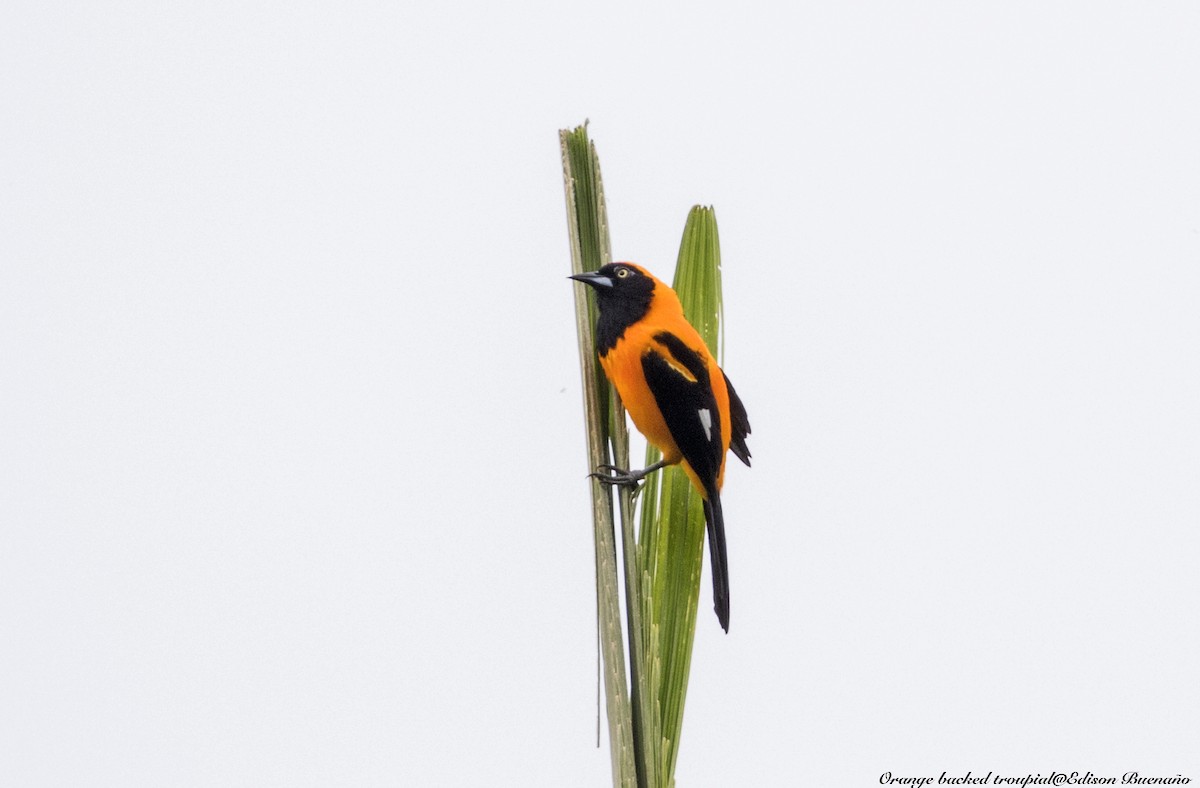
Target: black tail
[[715, 521]]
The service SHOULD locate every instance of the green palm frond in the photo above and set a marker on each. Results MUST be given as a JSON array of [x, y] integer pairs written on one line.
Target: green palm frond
[[662, 566], [672, 517], [587, 225]]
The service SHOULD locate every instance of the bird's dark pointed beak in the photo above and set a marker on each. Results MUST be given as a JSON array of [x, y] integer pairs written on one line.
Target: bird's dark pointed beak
[[594, 279]]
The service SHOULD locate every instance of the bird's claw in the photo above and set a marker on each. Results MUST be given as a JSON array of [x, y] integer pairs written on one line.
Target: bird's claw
[[611, 474]]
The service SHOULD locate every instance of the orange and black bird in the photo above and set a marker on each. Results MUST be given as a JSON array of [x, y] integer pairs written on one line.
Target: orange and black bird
[[677, 395]]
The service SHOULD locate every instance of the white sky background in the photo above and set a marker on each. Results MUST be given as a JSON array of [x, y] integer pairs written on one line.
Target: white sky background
[[291, 477]]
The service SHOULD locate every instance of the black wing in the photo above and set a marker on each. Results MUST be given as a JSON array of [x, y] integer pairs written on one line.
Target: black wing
[[687, 404]]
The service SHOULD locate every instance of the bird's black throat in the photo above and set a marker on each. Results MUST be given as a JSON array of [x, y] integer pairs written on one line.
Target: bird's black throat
[[621, 307]]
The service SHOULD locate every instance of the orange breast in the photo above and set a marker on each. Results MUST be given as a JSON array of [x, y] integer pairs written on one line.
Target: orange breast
[[623, 366]]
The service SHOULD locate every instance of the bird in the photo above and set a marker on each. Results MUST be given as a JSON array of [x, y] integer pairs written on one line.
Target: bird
[[676, 394]]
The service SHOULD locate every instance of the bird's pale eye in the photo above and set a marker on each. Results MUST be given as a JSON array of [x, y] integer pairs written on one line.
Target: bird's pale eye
[[622, 272]]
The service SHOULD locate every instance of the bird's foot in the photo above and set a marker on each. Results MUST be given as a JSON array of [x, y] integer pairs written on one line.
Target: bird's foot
[[611, 474]]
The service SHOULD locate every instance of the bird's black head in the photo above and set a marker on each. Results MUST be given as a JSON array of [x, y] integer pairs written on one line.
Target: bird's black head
[[623, 293]]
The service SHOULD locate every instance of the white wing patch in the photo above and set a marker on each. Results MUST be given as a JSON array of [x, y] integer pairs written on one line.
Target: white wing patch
[[706, 422]]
